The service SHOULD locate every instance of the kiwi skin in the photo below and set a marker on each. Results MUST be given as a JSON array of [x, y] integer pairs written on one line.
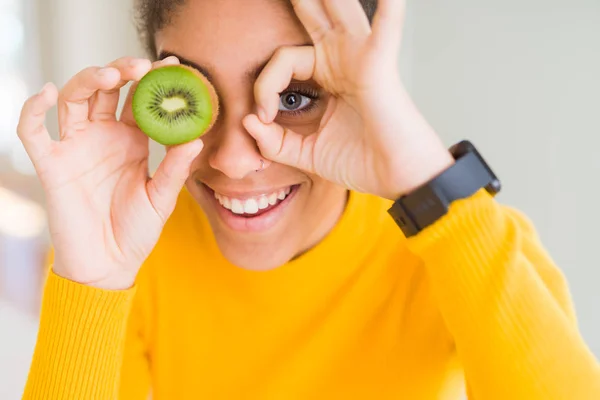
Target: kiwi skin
[[160, 130]]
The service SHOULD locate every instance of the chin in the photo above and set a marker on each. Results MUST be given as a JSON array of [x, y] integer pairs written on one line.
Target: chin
[[263, 226], [252, 227], [257, 256]]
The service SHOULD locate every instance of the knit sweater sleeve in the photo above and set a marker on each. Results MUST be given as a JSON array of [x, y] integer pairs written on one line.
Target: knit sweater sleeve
[[86, 344], [506, 304]]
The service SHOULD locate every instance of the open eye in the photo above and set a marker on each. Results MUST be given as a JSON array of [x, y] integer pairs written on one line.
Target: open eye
[[293, 101]]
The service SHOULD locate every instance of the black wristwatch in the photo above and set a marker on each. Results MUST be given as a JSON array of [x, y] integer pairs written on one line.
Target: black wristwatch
[[427, 204]]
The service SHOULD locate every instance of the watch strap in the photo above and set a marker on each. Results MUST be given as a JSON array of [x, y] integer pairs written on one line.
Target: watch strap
[[425, 205]]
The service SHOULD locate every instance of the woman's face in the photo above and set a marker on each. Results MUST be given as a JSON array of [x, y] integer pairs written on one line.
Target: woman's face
[[230, 41]]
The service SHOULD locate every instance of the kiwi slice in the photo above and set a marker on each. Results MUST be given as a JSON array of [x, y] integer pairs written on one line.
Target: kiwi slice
[[174, 104]]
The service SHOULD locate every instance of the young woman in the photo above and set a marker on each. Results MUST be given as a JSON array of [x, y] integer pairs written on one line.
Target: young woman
[[260, 262]]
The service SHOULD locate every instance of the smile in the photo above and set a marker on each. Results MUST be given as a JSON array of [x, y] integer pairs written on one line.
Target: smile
[[255, 205], [252, 212]]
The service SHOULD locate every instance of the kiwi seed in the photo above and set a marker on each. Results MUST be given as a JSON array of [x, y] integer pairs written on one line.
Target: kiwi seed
[[175, 104]]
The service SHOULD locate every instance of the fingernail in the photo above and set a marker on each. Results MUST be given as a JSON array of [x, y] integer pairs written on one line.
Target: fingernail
[[262, 115], [171, 59], [44, 88], [103, 72], [195, 148]]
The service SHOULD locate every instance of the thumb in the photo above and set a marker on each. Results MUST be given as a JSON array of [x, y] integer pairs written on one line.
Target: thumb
[[166, 184], [282, 145]]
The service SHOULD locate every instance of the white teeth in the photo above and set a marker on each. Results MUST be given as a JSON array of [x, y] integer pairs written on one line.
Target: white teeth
[[263, 202], [250, 206], [273, 199], [253, 204], [236, 206]]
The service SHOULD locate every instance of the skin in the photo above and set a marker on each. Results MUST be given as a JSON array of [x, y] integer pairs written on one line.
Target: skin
[[221, 48], [365, 134]]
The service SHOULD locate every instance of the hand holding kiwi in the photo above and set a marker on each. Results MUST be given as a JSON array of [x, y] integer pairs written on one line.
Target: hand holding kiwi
[[105, 212]]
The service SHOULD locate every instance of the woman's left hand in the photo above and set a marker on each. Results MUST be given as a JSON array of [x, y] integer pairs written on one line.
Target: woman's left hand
[[372, 138]]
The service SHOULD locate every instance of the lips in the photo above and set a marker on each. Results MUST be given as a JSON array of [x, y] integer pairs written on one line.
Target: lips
[[251, 211], [253, 205]]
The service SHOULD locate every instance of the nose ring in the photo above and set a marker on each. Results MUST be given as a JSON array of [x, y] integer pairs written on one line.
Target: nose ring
[[262, 165]]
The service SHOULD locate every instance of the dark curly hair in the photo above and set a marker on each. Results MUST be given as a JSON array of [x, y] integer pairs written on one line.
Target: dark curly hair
[[152, 15]]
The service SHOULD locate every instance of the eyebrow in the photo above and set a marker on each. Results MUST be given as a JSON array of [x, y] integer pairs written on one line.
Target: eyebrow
[[251, 74], [184, 61]]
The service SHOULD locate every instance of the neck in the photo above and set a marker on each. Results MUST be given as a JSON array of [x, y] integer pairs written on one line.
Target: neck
[[331, 214]]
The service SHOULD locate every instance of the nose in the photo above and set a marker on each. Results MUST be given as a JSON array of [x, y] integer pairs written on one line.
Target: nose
[[234, 151]]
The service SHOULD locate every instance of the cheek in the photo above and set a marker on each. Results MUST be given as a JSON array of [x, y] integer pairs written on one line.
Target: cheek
[[211, 140], [320, 190], [200, 163]]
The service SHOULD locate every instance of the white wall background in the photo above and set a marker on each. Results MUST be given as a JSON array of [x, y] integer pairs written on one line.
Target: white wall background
[[521, 78]]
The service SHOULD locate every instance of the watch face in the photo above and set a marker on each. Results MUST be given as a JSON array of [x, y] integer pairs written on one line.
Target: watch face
[[465, 147]]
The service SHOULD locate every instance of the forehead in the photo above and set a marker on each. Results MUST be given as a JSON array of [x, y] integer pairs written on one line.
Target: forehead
[[231, 34]]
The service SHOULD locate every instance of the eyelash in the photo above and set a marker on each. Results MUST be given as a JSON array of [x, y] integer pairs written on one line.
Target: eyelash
[[309, 92]]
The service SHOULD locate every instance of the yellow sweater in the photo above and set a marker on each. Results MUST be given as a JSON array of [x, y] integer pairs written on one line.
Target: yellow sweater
[[472, 301]]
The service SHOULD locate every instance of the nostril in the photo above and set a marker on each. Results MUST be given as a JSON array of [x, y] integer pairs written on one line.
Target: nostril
[[235, 166]]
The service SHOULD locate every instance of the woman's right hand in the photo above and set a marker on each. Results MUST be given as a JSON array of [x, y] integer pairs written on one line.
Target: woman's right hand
[[105, 212]]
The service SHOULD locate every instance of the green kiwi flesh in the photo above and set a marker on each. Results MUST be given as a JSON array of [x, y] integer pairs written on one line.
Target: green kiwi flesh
[[174, 104]]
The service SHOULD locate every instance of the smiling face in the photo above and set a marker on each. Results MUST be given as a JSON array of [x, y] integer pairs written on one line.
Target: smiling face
[[261, 219]]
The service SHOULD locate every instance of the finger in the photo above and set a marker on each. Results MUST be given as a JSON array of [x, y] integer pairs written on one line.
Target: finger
[[314, 18], [127, 114], [388, 24], [164, 188], [348, 16], [30, 129], [73, 99], [286, 64], [282, 145], [104, 103]]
